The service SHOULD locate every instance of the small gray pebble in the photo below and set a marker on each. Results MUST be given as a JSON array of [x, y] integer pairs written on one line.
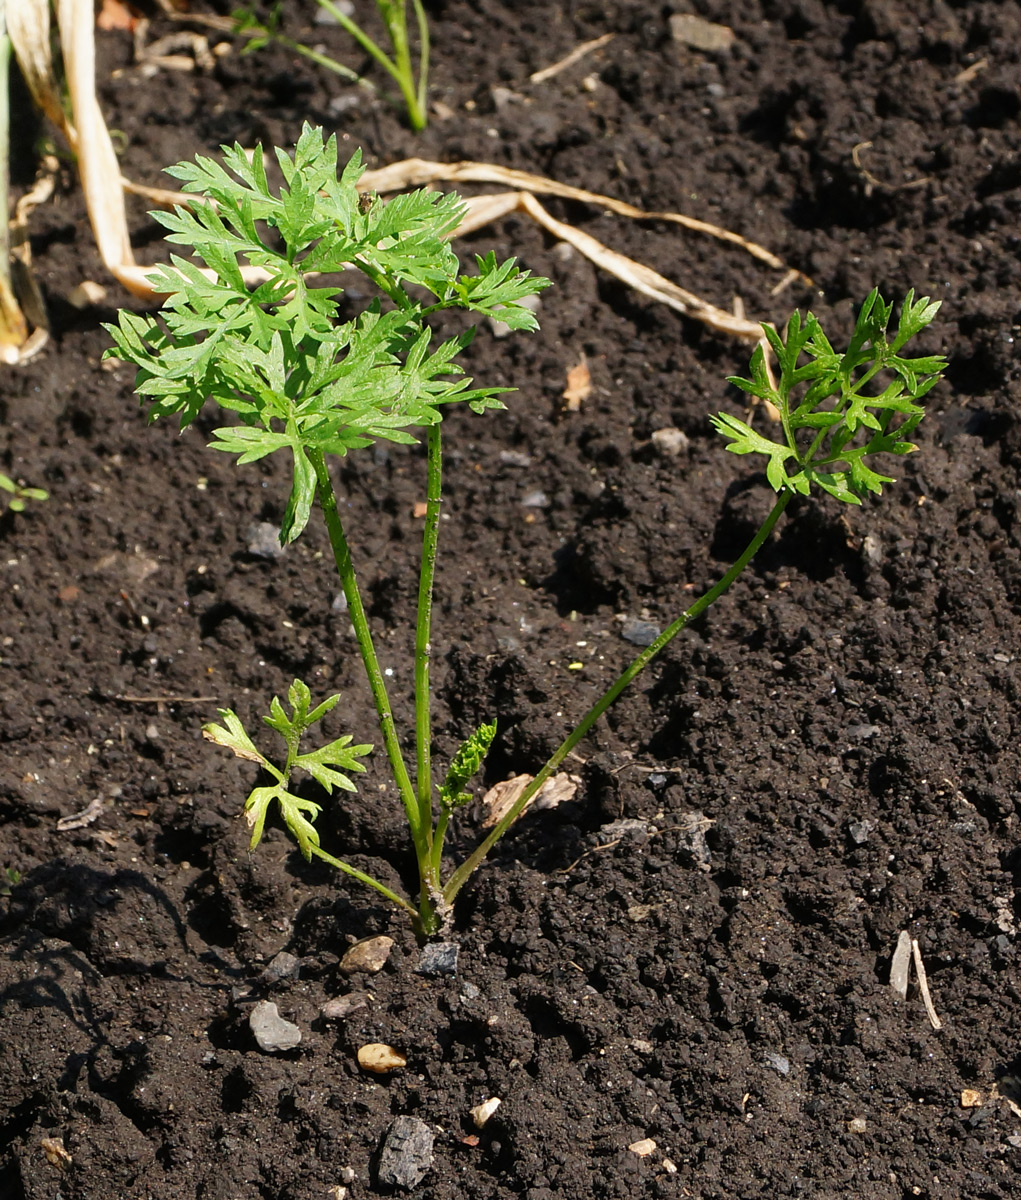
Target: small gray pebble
[[325, 17], [343, 1006], [863, 731], [264, 541], [270, 1030], [693, 849], [407, 1153], [535, 500], [639, 633], [670, 442], [514, 458], [777, 1061], [344, 103], [281, 966], [339, 603], [626, 827], [438, 958], [700, 34], [859, 831], [468, 993]]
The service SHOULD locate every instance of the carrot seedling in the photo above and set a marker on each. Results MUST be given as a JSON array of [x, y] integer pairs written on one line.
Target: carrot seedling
[[303, 384]]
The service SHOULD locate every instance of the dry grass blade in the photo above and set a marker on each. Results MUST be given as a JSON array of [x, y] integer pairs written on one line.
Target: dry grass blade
[[414, 172], [28, 23], [484, 209], [640, 277], [97, 162], [569, 60], [923, 985]]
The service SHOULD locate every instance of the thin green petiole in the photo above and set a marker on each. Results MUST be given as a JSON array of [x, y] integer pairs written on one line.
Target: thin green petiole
[[356, 611], [464, 871], [423, 627]]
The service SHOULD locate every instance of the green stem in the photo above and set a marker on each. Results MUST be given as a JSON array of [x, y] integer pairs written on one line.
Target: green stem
[[464, 871], [322, 60], [439, 833], [423, 59], [423, 646], [356, 611], [400, 70]]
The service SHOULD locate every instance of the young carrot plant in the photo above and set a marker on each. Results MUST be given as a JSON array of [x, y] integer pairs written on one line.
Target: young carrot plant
[[304, 384], [399, 65]]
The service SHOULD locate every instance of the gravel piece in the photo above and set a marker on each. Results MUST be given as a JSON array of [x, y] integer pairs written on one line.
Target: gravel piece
[[380, 1059], [369, 956], [670, 442], [323, 16], [693, 849], [407, 1153], [625, 827], [438, 958], [281, 966], [469, 993], [481, 1113], [859, 831], [638, 632], [700, 34], [264, 541], [781, 1065], [341, 1007], [271, 1031]]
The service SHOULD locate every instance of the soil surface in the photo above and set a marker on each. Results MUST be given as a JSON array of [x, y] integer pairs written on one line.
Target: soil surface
[[677, 982]]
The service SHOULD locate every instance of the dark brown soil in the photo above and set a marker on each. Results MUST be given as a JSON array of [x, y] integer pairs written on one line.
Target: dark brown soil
[[846, 718]]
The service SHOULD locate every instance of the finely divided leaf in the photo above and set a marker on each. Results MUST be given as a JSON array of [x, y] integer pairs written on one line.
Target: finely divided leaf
[[321, 763], [848, 398], [274, 353]]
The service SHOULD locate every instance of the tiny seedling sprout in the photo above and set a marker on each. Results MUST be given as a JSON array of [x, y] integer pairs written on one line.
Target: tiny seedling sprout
[[19, 495], [304, 384]]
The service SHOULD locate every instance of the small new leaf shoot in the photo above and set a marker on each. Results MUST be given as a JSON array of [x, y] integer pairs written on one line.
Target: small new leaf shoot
[[398, 64], [464, 766]]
